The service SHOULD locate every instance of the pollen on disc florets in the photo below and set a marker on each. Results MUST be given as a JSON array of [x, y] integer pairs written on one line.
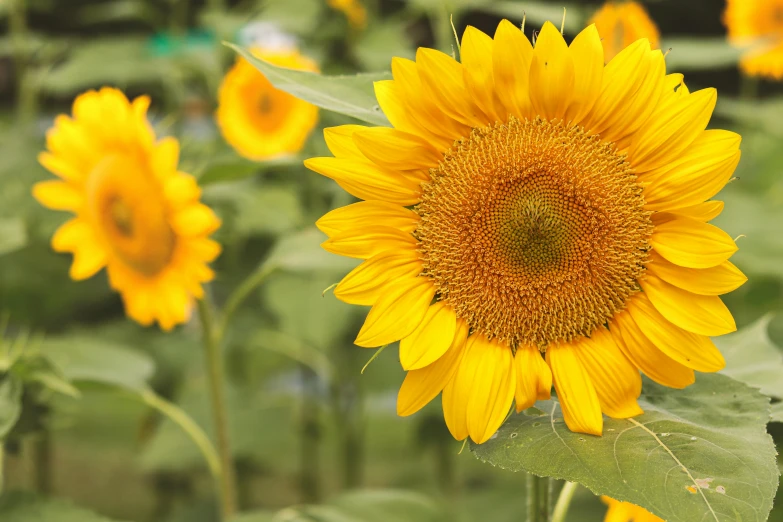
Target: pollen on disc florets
[[534, 231]]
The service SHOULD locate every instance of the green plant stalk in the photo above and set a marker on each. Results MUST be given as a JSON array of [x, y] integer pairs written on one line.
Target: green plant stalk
[[216, 377], [18, 30], [2, 467], [537, 498], [564, 501], [440, 16], [239, 295], [543, 500]]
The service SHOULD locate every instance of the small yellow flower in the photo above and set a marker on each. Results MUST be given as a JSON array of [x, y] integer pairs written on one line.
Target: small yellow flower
[[353, 10], [257, 119], [627, 512], [135, 213], [621, 24], [534, 217], [758, 22]]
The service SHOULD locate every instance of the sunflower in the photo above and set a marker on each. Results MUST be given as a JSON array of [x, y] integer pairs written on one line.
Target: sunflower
[[757, 22], [135, 213], [353, 10], [621, 24], [258, 120], [535, 217], [627, 512]]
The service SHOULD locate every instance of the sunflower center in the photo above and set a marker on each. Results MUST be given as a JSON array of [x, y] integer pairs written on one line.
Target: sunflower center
[[534, 231], [129, 209]]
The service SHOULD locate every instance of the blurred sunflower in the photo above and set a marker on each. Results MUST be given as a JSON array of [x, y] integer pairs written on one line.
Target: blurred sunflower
[[531, 201], [627, 512], [136, 214], [257, 119], [353, 10], [620, 24], [758, 22]]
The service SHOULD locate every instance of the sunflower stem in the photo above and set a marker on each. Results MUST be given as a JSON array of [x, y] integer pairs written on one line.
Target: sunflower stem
[[2, 467], [534, 486], [239, 295], [18, 30], [216, 380], [564, 501]]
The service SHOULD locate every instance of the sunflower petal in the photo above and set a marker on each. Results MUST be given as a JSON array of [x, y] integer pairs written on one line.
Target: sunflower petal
[[690, 243], [430, 340], [492, 389], [442, 76], [701, 314], [575, 390], [395, 149], [551, 74], [718, 280], [476, 47], [340, 141], [703, 212], [397, 313], [588, 58], [534, 378], [364, 284], [363, 213], [369, 241], [58, 195], [511, 57], [423, 385], [365, 180]]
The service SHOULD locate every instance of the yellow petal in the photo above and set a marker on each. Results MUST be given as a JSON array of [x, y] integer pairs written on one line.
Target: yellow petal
[[575, 390], [703, 212], [60, 167], [534, 378], [430, 340], [456, 395], [364, 243], [690, 243], [701, 314], [395, 149], [551, 74], [443, 77], [511, 57], [58, 195], [694, 351], [631, 88], [717, 280], [616, 380], [365, 180], [78, 237], [423, 385], [340, 141], [475, 50], [365, 284], [195, 220], [397, 313], [670, 131], [359, 215], [701, 172], [492, 389], [587, 56], [646, 356]]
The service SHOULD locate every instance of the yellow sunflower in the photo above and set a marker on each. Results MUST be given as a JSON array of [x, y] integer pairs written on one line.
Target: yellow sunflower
[[534, 216], [620, 24], [758, 22], [353, 10], [627, 512], [135, 213], [258, 120]]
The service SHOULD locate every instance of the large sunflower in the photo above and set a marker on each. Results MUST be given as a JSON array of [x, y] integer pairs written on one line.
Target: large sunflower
[[535, 216], [135, 213], [758, 23], [257, 119]]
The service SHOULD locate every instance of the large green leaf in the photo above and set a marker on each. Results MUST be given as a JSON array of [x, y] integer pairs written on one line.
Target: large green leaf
[[701, 453], [27, 507], [350, 95], [753, 359], [81, 358], [10, 403], [776, 412]]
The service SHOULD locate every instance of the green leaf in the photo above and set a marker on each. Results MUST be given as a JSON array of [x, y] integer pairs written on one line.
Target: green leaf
[[83, 359], [698, 54], [10, 403], [350, 95], [752, 358], [17, 506], [702, 453]]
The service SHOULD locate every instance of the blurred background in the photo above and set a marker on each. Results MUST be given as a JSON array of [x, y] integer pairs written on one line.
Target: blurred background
[[307, 426]]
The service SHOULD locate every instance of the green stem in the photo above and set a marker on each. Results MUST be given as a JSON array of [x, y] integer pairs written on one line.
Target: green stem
[[216, 374], [187, 424], [564, 501], [533, 485], [18, 30], [442, 30], [239, 295], [543, 500], [2, 467], [42, 462]]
